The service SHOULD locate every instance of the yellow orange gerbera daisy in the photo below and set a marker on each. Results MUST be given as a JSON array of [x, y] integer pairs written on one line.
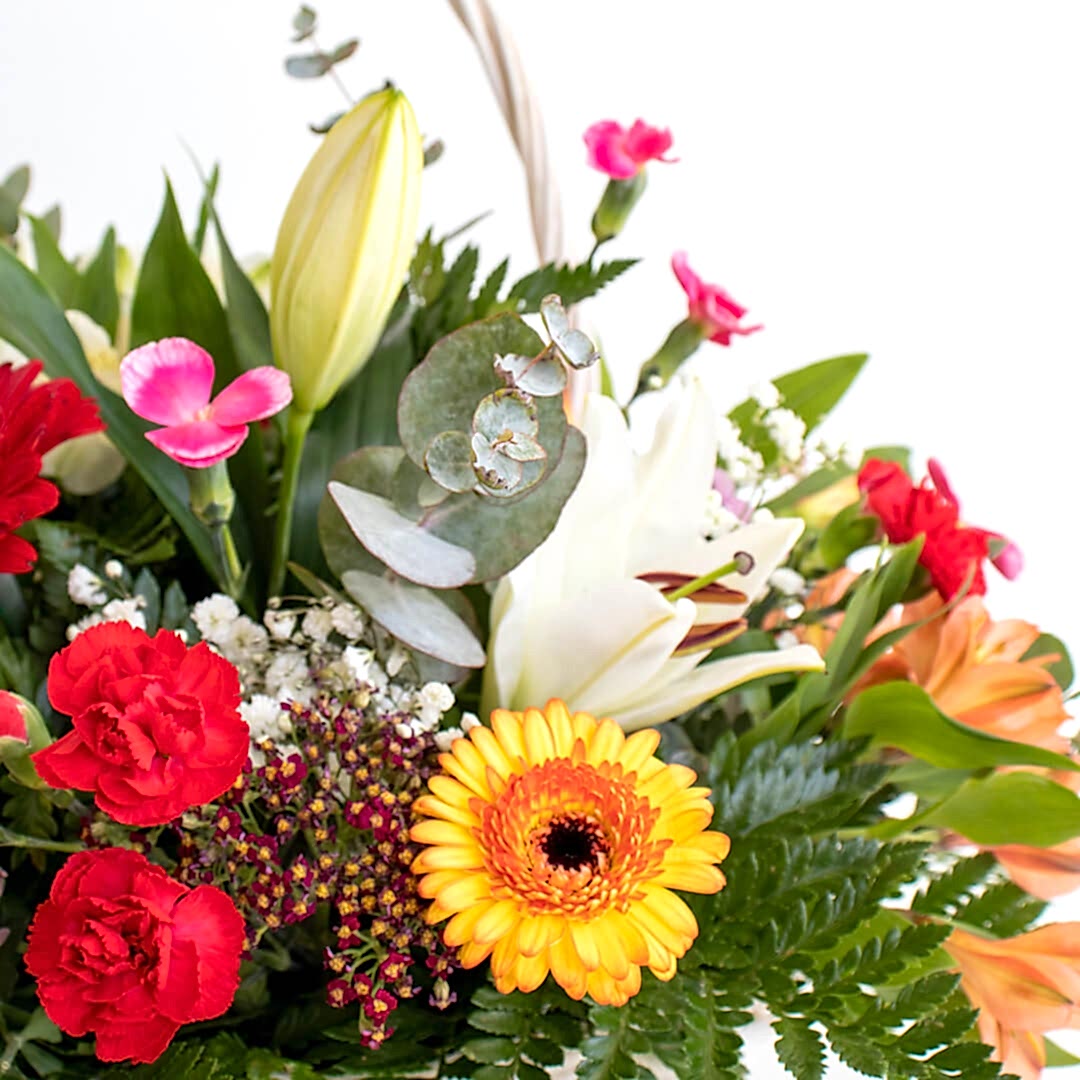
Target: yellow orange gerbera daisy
[[555, 841]]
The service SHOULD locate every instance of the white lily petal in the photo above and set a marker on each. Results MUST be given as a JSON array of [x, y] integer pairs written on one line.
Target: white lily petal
[[589, 543], [631, 632], [674, 477], [708, 680], [506, 650]]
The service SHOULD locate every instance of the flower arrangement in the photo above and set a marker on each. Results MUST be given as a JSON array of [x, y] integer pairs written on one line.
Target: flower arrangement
[[370, 706]]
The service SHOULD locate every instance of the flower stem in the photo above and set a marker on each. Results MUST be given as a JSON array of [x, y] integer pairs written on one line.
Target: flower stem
[[681, 344], [212, 501], [232, 572], [295, 435]]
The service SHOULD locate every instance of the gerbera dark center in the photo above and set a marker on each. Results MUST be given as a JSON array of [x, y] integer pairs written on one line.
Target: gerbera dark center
[[573, 842]]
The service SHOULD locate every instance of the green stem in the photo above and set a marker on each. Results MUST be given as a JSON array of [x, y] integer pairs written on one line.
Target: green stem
[[699, 583], [18, 840], [228, 560], [295, 434]]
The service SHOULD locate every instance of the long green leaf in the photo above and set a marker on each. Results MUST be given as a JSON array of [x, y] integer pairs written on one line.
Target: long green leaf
[[904, 716], [1009, 808], [31, 321], [59, 276], [96, 292], [249, 323]]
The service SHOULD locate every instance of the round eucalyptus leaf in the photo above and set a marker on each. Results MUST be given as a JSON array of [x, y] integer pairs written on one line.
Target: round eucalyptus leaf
[[449, 461], [443, 392], [541, 376], [497, 472], [576, 347]]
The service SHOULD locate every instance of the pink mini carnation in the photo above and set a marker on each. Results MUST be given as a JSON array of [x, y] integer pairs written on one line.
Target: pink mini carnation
[[710, 307], [170, 381], [622, 153]]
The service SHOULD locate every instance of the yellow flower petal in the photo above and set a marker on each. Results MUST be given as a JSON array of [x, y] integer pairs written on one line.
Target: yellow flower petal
[[499, 921], [539, 743], [448, 857], [537, 932], [460, 928], [442, 832]]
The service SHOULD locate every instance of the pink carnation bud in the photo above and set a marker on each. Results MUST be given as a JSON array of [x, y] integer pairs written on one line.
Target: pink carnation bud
[[12, 721], [622, 153], [170, 381], [710, 307]]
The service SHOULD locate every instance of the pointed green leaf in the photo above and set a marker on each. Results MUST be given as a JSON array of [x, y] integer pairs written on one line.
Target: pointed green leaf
[[812, 391], [1009, 808], [1062, 668], [96, 292], [902, 715], [58, 274], [249, 323], [12, 192]]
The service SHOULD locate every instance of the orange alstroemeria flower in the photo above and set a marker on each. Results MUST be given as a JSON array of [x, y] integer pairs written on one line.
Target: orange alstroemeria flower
[[973, 669], [970, 665], [1022, 986]]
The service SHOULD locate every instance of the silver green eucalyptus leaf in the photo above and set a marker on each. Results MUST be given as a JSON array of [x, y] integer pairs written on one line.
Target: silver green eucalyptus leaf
[[541, 376], [416, 617], [521, 448], [449, 461], [505, 413], [575, 346], [404, 546], [499, 474]]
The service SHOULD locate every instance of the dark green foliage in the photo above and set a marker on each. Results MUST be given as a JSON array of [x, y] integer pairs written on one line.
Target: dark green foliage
[[521, 1035]]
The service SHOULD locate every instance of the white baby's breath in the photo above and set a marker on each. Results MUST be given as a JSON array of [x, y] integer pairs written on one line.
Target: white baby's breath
[[85, 587], [214, 617]]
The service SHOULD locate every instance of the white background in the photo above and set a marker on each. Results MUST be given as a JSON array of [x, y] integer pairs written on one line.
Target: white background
[[894, 178]]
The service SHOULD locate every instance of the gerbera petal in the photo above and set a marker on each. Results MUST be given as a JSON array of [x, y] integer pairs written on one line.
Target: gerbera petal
[[167, 381], [509, 731], [537, 932], [585, 944], [492, 752], [539, 743], [471, 954], [638, 749], [198, 444], [460, 928], [691, 877], [499, 921], [465, 891], [607, 742], [530, 971], [567, 967], [428, 804], [442, 832], [562, 730], [255, 395], [613, 956], [450, 792], [448, 857]]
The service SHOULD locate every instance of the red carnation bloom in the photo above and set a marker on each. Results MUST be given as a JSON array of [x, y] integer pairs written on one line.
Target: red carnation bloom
[[157, 727], [952, 552], [33, 419], [124, 951]]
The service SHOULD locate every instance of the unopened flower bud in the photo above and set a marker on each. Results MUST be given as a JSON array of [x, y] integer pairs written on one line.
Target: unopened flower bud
[[344, 246]]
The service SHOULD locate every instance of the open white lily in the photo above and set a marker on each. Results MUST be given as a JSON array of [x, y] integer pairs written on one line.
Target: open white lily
[[576, 621]]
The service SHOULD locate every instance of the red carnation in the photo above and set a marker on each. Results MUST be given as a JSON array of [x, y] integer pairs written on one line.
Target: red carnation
[[157, 727], [124, 951], [952, 552], [33, 419]]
